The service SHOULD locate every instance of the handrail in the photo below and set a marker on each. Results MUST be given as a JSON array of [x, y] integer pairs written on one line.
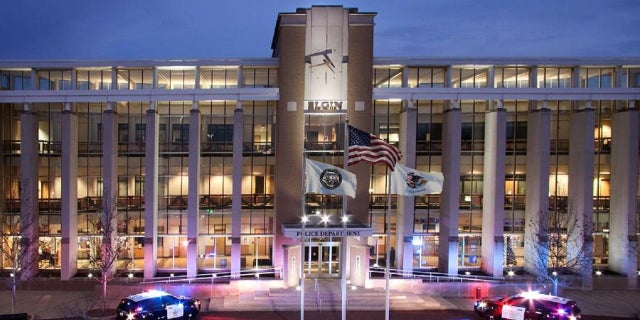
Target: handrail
[[211, 277], [436, 276]]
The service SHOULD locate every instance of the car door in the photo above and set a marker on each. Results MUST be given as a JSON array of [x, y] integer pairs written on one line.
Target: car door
[[155, 308], [173, 307]]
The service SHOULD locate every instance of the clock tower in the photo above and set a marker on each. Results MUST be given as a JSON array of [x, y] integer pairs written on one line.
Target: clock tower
[[325, 74]]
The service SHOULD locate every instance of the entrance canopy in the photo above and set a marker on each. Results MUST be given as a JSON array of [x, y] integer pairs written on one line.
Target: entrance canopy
[[294, 231]]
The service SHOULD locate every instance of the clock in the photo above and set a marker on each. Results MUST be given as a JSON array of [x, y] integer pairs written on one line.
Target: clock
[[325, 56]]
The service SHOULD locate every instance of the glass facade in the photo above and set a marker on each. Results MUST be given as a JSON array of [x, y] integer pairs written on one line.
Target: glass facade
[[322, 142]]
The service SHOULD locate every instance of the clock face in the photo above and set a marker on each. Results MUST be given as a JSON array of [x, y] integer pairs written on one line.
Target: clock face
[[324, 75], [325, 55]]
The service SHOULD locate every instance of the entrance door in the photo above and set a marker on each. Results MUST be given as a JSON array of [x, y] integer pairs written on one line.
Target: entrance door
[[322, 259]]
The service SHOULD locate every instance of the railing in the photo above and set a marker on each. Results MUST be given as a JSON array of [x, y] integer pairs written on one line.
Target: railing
[[222, 276], [377, 272], [266, 201]]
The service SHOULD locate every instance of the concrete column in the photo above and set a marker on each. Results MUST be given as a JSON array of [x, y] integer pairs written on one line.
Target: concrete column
[[29, 164], [35, 84], [537, 196], [154, 78], [575, 77], [580, 217], [405, 208], [152, 132], [491, 77], [114, 78], [74, 74], [623, 222], [495, 125], [621, 77], [240, 78], [193, 201], [450, 196], [69, 221], [533, 77], [448, 77], [236, 201], [110, 172]]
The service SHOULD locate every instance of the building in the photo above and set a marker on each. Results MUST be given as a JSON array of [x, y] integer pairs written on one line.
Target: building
[[202, 159]]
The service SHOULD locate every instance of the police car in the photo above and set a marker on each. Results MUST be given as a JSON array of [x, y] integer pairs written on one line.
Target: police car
[[157, 305], [530, 305]]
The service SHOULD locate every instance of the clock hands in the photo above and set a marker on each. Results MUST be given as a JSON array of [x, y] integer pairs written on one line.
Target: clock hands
[[326, 61]]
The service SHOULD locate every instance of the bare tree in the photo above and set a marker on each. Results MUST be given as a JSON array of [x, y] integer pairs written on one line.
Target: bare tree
[[19, 246], [565, 248], [110, 247]]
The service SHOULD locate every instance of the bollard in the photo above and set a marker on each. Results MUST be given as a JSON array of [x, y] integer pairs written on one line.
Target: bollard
[[478, 293]]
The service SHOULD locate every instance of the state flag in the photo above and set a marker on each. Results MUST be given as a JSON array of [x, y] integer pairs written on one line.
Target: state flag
[[410, 182]]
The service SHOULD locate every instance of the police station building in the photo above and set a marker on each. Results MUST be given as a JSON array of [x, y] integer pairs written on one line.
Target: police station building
[[201, 161]]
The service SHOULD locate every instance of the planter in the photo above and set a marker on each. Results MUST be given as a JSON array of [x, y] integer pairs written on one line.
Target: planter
[[16, 316], [100, 314]]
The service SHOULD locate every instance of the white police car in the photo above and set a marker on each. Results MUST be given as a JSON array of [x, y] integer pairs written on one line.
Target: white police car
[[157, 305], [530, 305]]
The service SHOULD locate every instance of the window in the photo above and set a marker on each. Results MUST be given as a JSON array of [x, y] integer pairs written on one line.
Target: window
[[472, 131], [180, 132], [220, 133], [429, 132], [140, 132], [123, 132]]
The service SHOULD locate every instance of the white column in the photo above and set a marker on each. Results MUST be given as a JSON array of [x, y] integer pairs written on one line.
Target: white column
[[493, 192], [623, 222], [537, 194], [450, 196], [110, 171], [151, 191], [29, 209], [405, 209], [236, 201], [193, 201], [69, 189], [581, 164]]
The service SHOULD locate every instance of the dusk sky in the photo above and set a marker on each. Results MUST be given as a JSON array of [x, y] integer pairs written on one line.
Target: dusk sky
[[190, 29]]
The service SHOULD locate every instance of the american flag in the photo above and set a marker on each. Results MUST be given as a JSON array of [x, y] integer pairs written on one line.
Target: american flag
[[364, 146]]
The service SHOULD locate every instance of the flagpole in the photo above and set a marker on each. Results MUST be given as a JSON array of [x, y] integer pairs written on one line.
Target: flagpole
[[388, 246], [303, 221], [343, 250]]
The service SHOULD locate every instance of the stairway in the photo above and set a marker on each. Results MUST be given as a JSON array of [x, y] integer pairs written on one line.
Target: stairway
[[325, 295]]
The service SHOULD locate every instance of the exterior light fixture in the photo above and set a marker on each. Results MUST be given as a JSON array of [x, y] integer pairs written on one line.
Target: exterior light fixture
[[598, 273], [345, 219], [467, 273], [305, 219], [511, 273], [353, 288], [13, 275], [555, 273], [90, 275], [297, 288], [130, 275], [171, 275], [325, 219]]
